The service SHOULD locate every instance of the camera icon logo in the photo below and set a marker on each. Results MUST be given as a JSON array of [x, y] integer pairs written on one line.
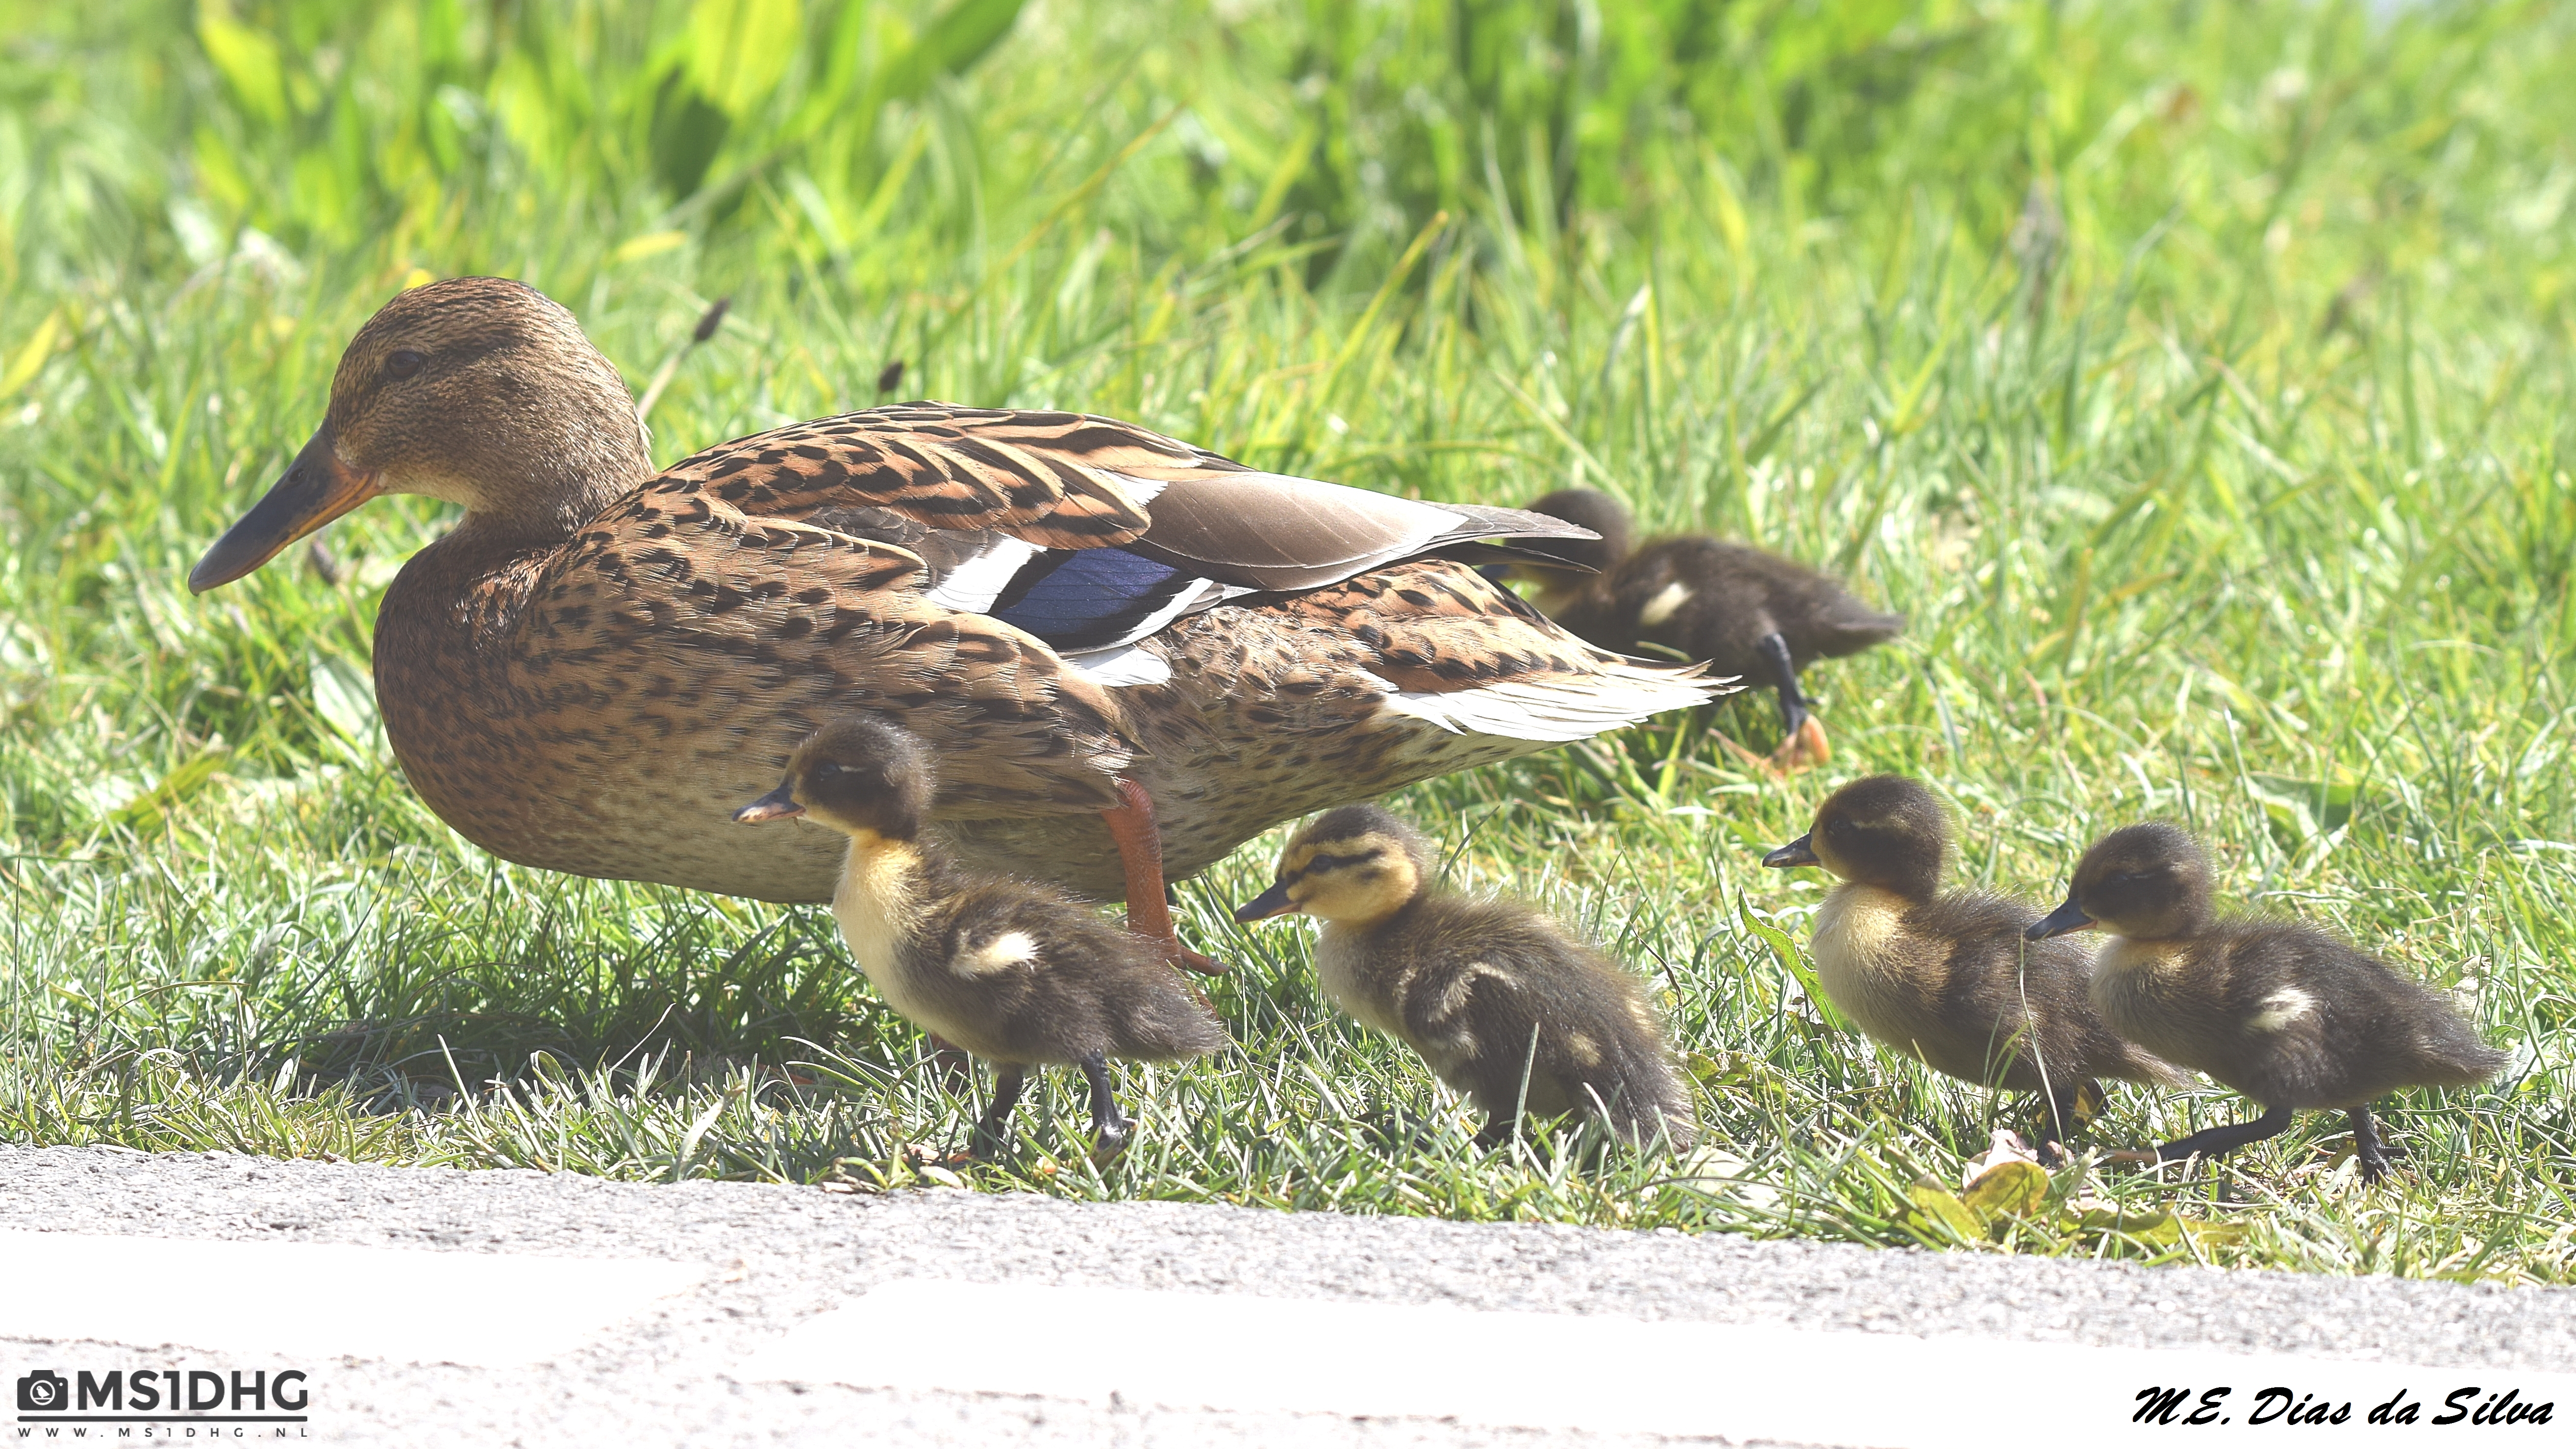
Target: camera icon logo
[[42, 1390]]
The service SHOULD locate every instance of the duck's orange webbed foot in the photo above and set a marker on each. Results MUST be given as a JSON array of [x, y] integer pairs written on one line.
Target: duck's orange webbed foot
[[1804, 749], [1140, 854]]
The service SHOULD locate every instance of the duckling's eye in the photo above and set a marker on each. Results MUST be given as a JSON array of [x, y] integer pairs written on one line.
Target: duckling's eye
[[830, 767], [403, 363]]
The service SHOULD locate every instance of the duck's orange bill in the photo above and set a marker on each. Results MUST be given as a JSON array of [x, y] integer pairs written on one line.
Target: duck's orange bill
[[316, 488]]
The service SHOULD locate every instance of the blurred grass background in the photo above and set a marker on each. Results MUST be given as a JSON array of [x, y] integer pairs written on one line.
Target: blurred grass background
[[2198, 377]]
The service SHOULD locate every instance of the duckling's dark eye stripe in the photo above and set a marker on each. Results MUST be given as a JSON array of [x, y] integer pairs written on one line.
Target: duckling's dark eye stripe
[[1315, 863]]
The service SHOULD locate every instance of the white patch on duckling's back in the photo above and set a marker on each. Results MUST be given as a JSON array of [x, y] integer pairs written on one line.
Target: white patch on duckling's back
[[1453, 997], [1009, 949], [2281, 1008], [1664, 605]]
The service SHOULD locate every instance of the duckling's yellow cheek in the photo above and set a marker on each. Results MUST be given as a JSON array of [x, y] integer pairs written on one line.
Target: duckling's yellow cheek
[[1827, 857]]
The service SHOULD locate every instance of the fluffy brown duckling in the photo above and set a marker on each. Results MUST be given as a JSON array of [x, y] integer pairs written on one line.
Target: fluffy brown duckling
[[2284, 1013], [1017, 973], [1746, 612], [1947, 978], [1502, 1003]]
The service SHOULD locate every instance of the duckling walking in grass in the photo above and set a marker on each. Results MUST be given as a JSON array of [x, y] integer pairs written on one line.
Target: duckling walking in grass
[[1746, 612], [1947, 978], [2286, 1014], [1017, 973], [1499, 1000]]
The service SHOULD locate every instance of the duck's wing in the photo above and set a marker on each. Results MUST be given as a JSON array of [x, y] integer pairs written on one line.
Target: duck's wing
[[1087, 532]]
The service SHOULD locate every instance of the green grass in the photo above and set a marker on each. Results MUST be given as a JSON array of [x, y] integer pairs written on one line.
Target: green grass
[[2202, 382]]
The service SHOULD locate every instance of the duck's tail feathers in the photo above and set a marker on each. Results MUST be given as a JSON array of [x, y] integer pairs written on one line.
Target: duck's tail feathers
[[1558, 708]]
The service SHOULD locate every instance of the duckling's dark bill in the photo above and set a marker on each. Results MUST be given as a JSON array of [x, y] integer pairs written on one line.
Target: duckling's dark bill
[[2058, 922], [778, 804], [1272, 902], [316, 488], [1801, 851]]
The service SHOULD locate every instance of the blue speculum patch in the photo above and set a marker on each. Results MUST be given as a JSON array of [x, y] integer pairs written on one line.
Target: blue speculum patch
[[1090, 598]]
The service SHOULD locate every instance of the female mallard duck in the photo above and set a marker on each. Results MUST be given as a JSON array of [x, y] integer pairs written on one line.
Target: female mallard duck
[[1016, 973], [2284, 1013], [1948, 979], [1498, 999], [1744, 611], [1089, 624]]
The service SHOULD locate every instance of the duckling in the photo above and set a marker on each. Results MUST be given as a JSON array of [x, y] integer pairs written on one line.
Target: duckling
[[1947, 978], [1502, 1003], [2283, 1013], [1017, 973], [1742, 610]]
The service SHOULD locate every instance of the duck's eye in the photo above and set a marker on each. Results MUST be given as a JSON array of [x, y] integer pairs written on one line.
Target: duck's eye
[[830, 768], [403, 363]]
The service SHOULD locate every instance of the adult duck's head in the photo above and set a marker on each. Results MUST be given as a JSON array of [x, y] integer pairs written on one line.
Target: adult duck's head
[[478, 391]]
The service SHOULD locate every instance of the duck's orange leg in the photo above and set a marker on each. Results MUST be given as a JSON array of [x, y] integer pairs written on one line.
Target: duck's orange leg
[[1140, 855], [1803, 749]]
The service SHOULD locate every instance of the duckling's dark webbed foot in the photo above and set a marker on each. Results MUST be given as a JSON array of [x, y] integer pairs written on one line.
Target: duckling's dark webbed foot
[[2366, 1146], [2070, 1108], [1802, 735], [991, 1138], [2213, 1141], [1140, 857], [1108, 1124]]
